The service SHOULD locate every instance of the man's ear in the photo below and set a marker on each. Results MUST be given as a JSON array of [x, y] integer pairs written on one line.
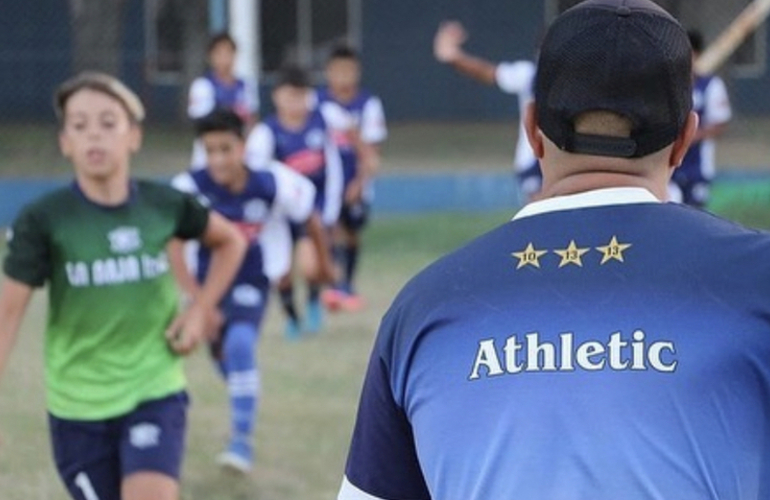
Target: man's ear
[[683, 142], [534, 134]]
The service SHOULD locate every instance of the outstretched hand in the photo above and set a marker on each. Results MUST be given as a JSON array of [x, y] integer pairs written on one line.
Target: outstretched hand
[[447, 44]]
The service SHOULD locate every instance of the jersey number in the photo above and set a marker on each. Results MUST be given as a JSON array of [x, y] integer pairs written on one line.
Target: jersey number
[[82, 482]]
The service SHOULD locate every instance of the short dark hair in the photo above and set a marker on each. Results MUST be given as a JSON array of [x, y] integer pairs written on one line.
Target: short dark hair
[[696, 40], [222, 37], [219, 120], [293, 76], [343, 51]]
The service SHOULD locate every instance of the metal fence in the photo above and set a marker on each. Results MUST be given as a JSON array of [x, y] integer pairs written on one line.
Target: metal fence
[[159, 46]]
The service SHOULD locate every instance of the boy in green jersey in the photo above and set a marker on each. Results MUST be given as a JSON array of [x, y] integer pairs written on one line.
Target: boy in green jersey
[[114, 338]]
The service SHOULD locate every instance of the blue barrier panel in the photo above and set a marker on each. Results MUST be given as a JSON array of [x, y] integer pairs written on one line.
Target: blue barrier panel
[[445, 192], [394, 193], [15, 193]]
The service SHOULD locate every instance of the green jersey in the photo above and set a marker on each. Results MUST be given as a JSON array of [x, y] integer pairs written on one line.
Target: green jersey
[[111, 294]]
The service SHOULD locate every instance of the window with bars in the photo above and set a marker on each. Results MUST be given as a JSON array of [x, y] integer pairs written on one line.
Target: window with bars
[[164, 39], [304, 31]]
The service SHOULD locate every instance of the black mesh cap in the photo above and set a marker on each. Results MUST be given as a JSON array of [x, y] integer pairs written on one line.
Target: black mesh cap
[[629, 57]]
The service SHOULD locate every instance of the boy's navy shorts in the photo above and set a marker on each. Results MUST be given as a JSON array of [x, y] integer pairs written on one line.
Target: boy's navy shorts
[[354, 216], [93, 457]]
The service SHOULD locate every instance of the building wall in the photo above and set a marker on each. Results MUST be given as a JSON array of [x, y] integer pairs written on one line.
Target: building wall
[[399, 63], [35, 56], [397, 35]]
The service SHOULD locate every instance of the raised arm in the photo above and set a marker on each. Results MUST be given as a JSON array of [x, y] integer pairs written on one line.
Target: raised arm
[[447, 48]]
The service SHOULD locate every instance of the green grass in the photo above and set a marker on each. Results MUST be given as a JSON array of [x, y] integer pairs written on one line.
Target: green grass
[[310, 388]]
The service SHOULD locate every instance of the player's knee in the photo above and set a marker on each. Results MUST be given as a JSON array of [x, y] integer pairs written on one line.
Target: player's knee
[[144, 485]]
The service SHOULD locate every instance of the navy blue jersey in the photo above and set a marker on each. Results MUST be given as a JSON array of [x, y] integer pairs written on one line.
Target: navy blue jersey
[[302, 150], [249, 210], [262, 211], [363, 115], [229, 96], [585, 350], [308, 150], [712, 104]]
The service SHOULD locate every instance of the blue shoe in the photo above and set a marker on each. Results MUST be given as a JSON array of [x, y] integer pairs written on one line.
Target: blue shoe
[[314, 316], [238, 457], [293, 330]]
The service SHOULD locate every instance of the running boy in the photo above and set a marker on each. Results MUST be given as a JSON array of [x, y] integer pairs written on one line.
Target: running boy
[[357, 122], [220, 87], [299, 137], [114, 378], [261, 203]]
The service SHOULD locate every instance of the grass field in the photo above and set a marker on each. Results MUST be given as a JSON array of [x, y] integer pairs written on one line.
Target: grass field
[[310, 388]]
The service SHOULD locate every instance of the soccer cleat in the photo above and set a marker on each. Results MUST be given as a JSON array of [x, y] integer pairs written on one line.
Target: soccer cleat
[[352, 303], [237, 457], [332, 299], [293, 330], [313, 316]]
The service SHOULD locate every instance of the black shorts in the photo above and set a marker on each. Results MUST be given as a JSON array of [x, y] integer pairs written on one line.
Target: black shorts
[[354, 216], [298, 231], [93, 457]]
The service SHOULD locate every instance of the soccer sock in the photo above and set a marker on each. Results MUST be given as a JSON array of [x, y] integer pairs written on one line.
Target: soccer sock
[[242, 378], [351, 261], [287, 302], [340, 258]]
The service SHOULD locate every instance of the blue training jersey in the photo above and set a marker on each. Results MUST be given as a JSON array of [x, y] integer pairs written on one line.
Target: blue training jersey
[[303, 150], [232, 96], [250, 212], [354, 111], [600, 346]]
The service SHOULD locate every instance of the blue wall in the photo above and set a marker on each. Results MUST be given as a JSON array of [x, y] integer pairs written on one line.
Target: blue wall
[[399, 63], [34, 57]]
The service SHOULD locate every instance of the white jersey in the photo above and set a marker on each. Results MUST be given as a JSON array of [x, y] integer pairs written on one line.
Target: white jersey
[[518, 78], [208, 93], [712, 103]]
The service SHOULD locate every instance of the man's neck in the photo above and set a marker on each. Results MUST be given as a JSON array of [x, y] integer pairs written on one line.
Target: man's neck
[[580, 183]]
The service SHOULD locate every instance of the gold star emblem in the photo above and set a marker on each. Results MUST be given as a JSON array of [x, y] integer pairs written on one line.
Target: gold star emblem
[[529, 257], [613, 251], [572, 255]]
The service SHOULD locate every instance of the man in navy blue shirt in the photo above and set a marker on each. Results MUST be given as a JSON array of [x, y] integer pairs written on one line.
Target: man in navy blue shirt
[[601, 345]]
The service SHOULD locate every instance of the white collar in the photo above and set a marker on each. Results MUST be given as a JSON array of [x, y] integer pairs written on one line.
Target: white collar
[[596, 198]]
